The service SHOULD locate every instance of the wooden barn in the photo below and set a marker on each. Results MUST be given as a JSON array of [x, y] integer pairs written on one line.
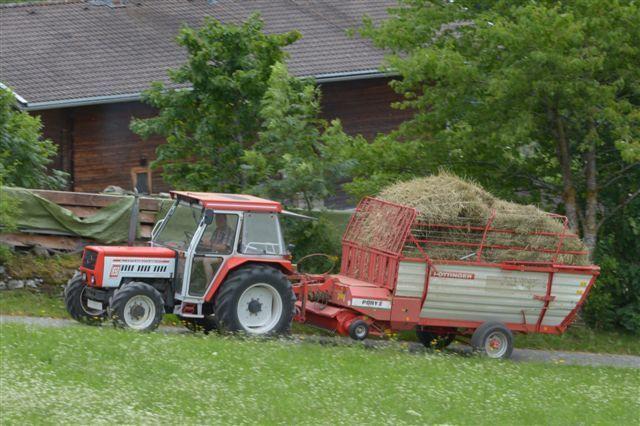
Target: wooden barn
[[81, 66]]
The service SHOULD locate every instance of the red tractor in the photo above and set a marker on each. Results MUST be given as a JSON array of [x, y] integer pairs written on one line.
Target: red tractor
[[215, 260], [219, 261]]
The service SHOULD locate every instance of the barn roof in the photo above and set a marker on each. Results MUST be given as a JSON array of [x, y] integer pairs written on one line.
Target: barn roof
[[75, 52]]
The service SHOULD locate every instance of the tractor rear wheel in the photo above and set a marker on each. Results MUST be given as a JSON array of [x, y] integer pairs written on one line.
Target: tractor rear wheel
[[256, 300], [137, 306], [76, 302], [434, 341]]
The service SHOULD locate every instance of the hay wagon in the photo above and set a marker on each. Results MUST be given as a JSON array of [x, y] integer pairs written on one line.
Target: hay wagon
[[447, 280]]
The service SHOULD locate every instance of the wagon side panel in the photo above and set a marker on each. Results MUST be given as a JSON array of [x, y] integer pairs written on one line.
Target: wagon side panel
[[460, 293], [567, 291], [411, 279]]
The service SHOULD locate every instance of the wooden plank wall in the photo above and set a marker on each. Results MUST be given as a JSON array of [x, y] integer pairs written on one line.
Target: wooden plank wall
[[83, 205], [105, 149], [363, 106], [55, 128], [99, 150]]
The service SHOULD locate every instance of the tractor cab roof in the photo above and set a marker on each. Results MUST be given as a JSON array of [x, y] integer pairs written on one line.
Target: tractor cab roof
[[236, 202]]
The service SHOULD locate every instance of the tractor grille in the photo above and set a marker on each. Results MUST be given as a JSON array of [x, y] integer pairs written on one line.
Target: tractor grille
[[89, 259]]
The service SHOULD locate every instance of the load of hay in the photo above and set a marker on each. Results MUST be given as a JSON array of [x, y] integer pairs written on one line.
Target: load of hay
[[446, 199]]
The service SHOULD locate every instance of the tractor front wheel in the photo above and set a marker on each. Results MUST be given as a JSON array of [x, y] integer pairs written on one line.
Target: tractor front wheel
[[137, 306], [256, 300], [75, 301]]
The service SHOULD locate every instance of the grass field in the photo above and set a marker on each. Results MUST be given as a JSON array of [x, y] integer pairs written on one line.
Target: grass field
[[50, 304], [91, 375]]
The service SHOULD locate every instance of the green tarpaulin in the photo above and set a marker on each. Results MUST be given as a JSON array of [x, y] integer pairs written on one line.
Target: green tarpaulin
[[109, 225]]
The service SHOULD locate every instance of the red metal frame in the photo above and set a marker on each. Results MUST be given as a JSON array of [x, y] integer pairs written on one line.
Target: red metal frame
[[484, 235], [371, 253], [483, 231], [238, 261]]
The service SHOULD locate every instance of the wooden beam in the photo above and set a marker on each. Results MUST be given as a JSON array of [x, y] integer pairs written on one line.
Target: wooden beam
[[86, 199], [145, 231], [80, 211]]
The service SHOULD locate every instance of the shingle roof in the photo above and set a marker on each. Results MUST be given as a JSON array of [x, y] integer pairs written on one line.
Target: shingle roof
[[74, 49]]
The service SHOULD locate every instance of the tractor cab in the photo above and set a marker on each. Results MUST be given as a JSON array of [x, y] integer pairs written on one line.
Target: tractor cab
[[207, 231]]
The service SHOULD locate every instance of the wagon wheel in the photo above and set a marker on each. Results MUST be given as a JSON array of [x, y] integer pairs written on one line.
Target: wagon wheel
[[493, 339], [434, 341]]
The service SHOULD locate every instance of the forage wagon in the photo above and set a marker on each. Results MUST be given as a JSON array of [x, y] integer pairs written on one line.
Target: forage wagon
[[220, 261]]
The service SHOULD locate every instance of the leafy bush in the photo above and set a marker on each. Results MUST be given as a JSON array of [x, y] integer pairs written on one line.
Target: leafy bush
[[24, 155], [9, 211], [6, 254], [295, 154], [54, 270], [310, 237]]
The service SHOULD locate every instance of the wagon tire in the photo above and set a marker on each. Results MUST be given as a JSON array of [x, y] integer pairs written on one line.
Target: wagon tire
[[493, 339], [137, 306], [434, 341], [358, 329], [256, 300], [75, 302]]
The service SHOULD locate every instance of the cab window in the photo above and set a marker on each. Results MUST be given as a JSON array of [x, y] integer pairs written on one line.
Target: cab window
[[219, 236], [261, 234], [178, 228]]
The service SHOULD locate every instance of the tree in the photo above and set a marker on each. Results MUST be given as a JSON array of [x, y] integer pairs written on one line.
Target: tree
[[24, 155], [615, 300], [210, 114], [542, 97], [294, 154]]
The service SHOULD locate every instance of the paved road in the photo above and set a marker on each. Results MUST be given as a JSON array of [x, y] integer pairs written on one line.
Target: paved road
[[519, 355]]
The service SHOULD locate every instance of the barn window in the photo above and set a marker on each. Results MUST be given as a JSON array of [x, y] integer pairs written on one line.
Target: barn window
[[141, 179]]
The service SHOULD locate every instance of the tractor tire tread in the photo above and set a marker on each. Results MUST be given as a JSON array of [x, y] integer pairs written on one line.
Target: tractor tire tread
[[73, 303]]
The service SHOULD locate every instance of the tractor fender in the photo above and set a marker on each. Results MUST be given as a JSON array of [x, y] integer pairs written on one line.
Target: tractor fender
[[236, 262]]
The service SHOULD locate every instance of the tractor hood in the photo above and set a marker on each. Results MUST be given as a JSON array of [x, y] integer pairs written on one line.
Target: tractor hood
[[106, 266], [132, 251]]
